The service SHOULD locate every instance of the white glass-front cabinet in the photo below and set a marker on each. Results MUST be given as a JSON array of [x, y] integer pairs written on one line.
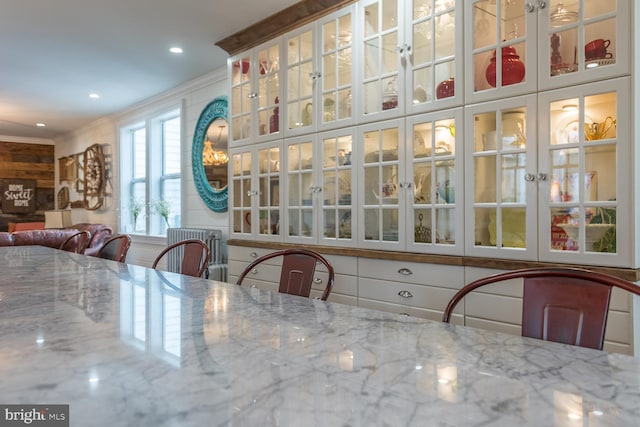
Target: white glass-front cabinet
[[553, 195], [256, 91], [408, 57], [338, 91], [501, 176], [514, 47], [586, 155], [409, 179], [320, 179], [301, 77], [434, 182], [319, 75], [255, 191]]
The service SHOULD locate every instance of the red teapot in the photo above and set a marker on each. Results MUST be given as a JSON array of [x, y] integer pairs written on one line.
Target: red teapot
[[512, 68]]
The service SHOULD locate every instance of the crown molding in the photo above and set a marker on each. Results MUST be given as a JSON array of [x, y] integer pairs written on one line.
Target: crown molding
[[279, 23]]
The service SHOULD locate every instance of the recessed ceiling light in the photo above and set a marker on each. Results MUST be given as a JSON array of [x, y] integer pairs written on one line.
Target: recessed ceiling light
[[94, 95], [40, 125], [570, 107], [175, 50]]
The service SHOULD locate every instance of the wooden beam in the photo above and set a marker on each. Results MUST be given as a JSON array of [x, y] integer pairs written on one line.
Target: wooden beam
[[280, 23]]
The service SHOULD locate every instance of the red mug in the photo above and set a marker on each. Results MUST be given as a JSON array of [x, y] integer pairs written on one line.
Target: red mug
[[596, 49]]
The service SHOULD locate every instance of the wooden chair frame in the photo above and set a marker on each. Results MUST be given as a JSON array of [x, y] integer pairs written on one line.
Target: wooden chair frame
[[298, 269], [567, 305], [195, 258], [82, 242], [123, 242]]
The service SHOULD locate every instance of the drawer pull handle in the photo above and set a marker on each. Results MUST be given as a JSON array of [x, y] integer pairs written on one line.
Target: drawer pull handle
[[253, 255], [317, 280], [405, 294], [405, 272], [254, 271]]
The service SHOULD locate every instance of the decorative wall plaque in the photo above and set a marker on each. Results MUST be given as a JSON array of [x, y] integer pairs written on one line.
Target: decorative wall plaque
[[19, 195]]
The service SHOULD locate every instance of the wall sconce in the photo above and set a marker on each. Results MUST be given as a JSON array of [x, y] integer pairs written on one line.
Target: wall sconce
[[57, 219]]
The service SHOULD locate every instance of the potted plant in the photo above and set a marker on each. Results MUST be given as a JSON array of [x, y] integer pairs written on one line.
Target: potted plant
[[163, 208], [137, 205]]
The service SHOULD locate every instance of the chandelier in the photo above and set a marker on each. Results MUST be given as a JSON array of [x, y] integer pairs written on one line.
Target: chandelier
[[210, 155]]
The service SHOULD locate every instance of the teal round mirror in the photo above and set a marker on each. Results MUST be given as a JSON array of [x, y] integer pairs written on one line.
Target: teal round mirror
[[210, 155]]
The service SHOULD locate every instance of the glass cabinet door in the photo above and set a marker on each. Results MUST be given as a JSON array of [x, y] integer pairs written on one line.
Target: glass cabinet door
[[269, 90], [300, 190], [500, 49], [269, 191], [255, 94], [435, 183], [382, 86], [382, 209], [242, 96], [587, 40], [240, 193], [320, 183], [587, 164], [501, 176], [302, 76], [255, 192], [434, 58], [338, 73], [337, 184]]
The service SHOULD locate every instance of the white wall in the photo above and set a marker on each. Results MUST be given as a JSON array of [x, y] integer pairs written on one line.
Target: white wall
[[194, 95]]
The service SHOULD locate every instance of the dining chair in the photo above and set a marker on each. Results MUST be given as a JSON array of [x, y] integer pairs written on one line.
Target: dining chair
[[194, 254], [115, 248], [566, 305], [298, 269], [77, 242]]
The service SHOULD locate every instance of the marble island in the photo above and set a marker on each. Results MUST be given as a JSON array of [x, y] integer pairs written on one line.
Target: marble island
[[124, 345]]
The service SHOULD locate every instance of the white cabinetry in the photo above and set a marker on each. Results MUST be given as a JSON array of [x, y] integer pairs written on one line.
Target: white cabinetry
[[415, 289], [255, 192], [409, 58], [514, 47], [320, 179], [555, 195], [256, 92], [408, 183]]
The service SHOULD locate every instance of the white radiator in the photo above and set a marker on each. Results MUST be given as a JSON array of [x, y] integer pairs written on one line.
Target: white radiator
[[213, 238]]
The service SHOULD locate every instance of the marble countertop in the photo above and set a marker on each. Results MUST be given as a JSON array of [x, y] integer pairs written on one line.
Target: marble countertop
[[124, 345]]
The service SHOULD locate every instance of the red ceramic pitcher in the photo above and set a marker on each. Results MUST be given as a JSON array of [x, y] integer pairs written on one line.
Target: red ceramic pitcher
[[512, 68]]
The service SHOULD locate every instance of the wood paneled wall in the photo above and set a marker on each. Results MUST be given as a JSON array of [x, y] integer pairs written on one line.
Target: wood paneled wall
[[29, 161]]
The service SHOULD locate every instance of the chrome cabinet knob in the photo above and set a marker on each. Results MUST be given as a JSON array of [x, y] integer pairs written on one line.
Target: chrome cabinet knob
[[405, 294]]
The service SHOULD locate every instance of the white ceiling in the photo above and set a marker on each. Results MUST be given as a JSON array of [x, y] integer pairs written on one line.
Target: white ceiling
[[53, 53]]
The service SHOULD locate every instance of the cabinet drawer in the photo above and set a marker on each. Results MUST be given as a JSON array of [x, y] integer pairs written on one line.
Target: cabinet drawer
[[407, 294], [346, 285], [400, 309], [443, 276], [503, 309], [619, 327], [247, 254], [340, 264], [337, 298], [491, 325]]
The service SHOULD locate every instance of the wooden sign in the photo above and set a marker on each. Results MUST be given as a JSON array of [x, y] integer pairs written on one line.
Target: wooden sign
[[19, 195]]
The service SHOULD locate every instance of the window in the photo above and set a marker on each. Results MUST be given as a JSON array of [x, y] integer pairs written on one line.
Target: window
[[150, 174]]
